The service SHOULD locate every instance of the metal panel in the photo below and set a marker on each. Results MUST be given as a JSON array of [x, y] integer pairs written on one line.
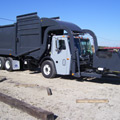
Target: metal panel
[[7, 40], [29, 22], [32, 39], [27, 27], [107, 62], [29, 33]]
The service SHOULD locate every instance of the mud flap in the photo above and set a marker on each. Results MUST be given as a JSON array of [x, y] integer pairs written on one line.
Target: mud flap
[[16, 65]]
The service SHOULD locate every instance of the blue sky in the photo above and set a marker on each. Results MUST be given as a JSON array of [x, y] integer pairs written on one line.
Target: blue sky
[[100, 16]]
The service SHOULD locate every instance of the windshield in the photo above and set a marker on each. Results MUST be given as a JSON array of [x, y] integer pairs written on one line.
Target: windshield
[[83, 46]]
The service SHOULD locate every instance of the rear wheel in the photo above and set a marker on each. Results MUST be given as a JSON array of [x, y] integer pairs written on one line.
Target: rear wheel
[[2, 63], [48, 69], [8, 64]]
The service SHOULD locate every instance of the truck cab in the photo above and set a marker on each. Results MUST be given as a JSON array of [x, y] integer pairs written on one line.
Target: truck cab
[[61, 54]]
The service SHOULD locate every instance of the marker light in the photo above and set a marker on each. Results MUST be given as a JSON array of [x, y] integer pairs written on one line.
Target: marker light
[[72, 74]]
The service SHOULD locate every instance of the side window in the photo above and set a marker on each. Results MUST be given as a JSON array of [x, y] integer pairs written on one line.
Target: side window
[[60, 44]]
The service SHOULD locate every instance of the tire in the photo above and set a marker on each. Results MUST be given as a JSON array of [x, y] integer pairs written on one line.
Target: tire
[[48, 69], [8, 64], [2, 63]]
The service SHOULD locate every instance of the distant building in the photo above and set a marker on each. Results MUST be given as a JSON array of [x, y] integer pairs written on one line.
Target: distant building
[[112, 48]]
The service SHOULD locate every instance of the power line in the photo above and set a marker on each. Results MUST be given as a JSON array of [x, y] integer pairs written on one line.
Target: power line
[[107, 39], [7, 19]]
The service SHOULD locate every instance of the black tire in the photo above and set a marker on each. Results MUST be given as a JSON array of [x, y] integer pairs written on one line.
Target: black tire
[[48, 69], [8, 64], [2, 63]]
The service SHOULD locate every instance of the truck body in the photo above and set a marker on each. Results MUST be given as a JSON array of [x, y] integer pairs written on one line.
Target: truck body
[[57, 47]]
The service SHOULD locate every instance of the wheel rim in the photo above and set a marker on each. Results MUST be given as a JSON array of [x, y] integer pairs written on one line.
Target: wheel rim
[[0, 63], [46, 69], [7, 64]]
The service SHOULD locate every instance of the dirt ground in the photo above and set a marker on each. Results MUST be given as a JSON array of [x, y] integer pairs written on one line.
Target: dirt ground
[[30, 87]]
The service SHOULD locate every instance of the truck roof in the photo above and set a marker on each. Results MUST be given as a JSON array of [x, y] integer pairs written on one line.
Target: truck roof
[[46, 22], [52, 22]]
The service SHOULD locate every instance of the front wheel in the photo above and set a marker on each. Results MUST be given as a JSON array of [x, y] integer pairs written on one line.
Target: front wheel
[[48, 69]]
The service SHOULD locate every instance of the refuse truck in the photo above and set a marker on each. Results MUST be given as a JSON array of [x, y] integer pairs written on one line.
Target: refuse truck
[[56, 47]]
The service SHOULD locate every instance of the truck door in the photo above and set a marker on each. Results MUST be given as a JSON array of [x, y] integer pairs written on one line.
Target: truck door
[[60, 53]]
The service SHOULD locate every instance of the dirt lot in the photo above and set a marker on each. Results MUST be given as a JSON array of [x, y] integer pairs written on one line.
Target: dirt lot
[[30, 87]]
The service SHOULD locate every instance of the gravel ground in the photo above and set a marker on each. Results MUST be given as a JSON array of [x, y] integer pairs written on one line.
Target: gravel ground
[[30, 87]]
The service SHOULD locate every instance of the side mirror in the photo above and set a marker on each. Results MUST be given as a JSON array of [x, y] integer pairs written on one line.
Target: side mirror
[[57, 46]]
